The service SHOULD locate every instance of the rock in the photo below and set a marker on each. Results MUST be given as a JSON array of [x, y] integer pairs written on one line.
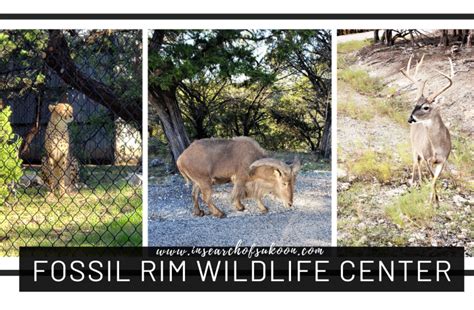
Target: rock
[[343, 186], [398, 191], [341, 173], [461, 236], [362, 240], [155, 162], [459, 200], [419, 235], [30, 179], [135, 179]]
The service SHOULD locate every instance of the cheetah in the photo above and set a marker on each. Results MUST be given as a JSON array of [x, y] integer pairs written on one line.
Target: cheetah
[[59, 168]]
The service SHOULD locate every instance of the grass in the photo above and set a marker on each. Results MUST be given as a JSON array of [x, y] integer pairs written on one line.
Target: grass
[[108, 212], [361, 81], [392, 107], [345, 55], [405, 154], [412, 208], [371, 165], [352, 46], [384, 100], [462, 158], [354, 111]]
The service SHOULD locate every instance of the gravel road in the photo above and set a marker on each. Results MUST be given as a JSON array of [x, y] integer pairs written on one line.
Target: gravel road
[[307, 223]]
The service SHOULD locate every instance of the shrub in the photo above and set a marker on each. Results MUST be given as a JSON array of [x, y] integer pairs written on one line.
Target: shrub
[[411, 207], [10, 163], [354, 111], [462, 157], [362, 82], [351, 46], [371, 165]]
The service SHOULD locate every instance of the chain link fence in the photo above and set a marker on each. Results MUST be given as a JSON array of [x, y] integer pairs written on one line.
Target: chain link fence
[[70, 138]]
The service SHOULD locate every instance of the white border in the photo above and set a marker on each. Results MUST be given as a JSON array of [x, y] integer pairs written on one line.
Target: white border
[[145, 136], [10, 284], [334, 138]]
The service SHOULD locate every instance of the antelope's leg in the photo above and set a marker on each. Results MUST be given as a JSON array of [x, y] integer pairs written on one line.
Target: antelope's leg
[[195, 193], [207, 197], [261, 206], [237, 193], [437, 171]]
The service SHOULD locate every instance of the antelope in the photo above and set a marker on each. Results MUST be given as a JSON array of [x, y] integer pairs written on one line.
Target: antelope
[[240, 161], [430, 139]]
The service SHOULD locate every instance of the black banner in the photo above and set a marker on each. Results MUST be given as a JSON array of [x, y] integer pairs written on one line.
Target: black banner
[[242, 269]]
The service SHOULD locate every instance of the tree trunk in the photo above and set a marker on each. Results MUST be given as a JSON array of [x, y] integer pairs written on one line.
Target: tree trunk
[[376, 36], [325, 145], [59, 59], [469, 38], [388, 37], [444, 40], [172, 123]]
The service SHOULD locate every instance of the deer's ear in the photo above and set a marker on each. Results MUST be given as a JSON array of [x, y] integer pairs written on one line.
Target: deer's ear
[[51, 107]]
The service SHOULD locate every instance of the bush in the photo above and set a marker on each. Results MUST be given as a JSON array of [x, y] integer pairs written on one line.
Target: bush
[[462, 157], [411, 208], [10, 163], [352, 46], [354, 111], [371, 165], [362, 82]]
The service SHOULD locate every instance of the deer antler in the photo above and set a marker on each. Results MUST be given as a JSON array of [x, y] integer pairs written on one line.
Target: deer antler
[[420, 84], [450, 82]]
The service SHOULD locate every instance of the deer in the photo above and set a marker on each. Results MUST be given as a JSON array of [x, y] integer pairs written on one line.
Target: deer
[[430, 138]]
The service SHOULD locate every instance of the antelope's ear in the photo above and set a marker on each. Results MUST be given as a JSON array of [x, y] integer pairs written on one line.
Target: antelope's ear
[[296, 165], [51, 107], [277, 173]]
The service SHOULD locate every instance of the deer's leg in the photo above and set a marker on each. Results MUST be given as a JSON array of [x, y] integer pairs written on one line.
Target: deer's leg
[[196, 211], [416, 167], [437, 171], [207, 197], [261, 206], [238, 192]]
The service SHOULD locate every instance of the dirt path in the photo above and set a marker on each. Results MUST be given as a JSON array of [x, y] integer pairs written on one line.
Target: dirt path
[[355, 37], [308, 223]]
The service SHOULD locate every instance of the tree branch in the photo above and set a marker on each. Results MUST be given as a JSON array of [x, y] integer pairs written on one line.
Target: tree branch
[[59, 59]]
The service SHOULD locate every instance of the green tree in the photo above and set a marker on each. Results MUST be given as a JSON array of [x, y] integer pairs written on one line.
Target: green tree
[[307, 54], [273, 85], [10, 163], [176, 57], [104, 65]]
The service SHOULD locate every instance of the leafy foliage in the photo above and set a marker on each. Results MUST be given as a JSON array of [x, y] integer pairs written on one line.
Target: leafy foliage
[[10, 163], [94, 52], [273, 85]]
